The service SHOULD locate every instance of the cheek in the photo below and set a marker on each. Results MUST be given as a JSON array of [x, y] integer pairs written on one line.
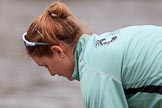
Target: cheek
[[54, 65], [51, 66], [59, 65], [68, 65]]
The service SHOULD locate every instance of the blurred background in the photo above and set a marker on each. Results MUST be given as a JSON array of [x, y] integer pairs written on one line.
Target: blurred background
[[25, 85]]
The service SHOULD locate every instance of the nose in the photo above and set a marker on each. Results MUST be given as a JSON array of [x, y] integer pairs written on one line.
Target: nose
[[52, 73]]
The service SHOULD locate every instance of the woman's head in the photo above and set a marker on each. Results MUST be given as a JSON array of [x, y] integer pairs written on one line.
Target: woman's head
[[55, 26], [52, 38]]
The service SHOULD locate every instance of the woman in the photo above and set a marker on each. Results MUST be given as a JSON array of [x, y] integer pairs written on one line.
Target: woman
[[119, 69]]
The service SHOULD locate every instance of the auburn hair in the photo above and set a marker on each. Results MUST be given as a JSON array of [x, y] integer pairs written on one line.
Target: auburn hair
[[55, 25]]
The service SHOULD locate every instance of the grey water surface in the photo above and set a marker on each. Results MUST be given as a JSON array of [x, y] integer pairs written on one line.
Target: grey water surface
[[25, 85]]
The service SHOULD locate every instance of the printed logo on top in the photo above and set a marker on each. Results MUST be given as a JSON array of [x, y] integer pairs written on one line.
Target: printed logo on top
[[103, 41]]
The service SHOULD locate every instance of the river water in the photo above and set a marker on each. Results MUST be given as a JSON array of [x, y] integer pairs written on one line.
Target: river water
[[22, 83]]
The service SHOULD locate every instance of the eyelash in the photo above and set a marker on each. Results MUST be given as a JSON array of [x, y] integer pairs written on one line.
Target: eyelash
[[46, 66]]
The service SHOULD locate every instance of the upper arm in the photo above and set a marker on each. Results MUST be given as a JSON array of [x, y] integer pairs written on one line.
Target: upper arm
[[101, 91]]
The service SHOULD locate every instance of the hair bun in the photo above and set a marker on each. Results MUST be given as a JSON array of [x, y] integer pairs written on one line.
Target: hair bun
[[51, 14], [58, 10]]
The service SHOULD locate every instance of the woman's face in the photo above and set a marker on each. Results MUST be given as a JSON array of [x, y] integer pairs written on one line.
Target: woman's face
[[57, 64]]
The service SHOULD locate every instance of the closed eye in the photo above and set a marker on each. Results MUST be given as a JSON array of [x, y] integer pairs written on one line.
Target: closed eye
[[43, 66]]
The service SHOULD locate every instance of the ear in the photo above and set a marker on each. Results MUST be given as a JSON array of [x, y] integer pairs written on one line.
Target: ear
[[57, 50]]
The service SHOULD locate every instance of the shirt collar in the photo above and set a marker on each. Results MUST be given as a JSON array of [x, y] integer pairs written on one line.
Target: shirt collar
[[78, 51]]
